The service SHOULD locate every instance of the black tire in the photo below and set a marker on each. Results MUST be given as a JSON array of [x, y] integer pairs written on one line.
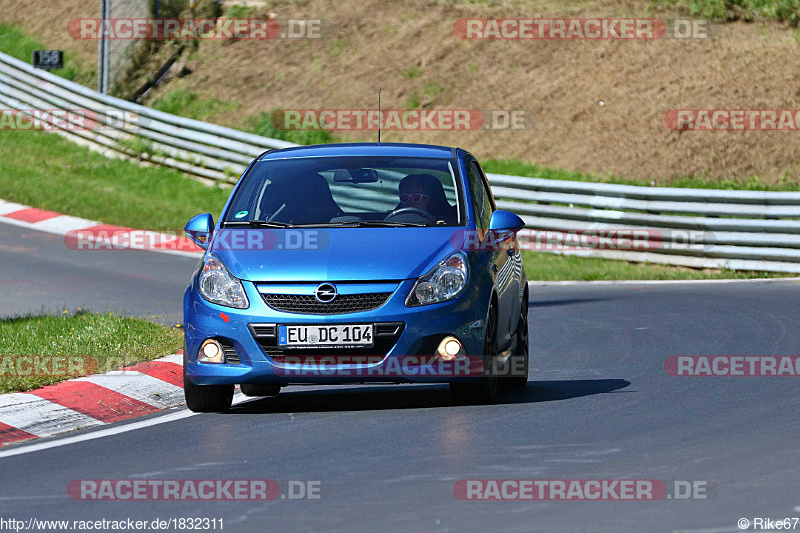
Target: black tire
[[207, 398], [260, 389], [520, 358], [484, 390]]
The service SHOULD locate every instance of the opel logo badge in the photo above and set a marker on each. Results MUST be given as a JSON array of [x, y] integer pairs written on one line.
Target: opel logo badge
[[325, 293]]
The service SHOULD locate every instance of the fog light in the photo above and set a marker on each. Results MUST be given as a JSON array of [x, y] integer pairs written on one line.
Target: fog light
[[211, 352], [450, 348]]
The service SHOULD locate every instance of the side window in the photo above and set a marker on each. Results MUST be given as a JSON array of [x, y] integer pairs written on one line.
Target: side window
[[487, 187], [481, 201]]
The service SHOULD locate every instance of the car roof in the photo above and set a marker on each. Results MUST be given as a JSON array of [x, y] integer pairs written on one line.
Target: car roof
[[363, 149]]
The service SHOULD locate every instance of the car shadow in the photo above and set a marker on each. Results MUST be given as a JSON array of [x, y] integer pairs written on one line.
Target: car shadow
[[382, 397], [565, 301]]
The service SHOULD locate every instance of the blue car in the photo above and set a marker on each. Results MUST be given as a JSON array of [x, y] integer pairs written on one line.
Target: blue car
[[356, 263]]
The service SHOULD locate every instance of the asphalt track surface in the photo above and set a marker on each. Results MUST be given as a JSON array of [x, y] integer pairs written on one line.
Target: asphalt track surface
[[598, 405]]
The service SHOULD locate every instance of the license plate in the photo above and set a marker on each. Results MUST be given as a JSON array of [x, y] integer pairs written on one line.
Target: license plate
[[344, 336]]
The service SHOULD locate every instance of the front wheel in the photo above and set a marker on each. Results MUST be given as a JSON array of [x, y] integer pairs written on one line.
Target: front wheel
[[485, 389], [207, 398], [520, 358]]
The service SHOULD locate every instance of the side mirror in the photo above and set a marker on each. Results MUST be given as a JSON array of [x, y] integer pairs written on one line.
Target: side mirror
[[503, 226], [199, 229], [505, 222]]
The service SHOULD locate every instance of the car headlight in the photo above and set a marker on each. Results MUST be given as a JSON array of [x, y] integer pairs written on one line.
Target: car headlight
[[217, 285], [444, 282]]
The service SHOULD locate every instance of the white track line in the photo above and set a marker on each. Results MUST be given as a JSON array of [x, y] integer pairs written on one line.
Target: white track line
[[110, 431], [116, 430]]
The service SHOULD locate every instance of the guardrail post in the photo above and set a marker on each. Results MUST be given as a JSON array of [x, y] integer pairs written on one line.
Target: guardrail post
[[102, 49]]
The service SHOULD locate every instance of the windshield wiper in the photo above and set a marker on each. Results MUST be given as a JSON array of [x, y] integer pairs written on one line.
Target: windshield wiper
[[378, 224], [258, 224], [342, 224]]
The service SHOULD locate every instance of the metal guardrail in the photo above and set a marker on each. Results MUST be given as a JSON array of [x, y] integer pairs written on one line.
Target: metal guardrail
[[126, 129], [699, 228]]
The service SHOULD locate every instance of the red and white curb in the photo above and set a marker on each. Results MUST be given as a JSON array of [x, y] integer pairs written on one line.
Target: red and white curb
[[90, 401], [114, 237]]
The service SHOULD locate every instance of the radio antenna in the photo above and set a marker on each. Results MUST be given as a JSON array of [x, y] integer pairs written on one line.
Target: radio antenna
[[380, 116]]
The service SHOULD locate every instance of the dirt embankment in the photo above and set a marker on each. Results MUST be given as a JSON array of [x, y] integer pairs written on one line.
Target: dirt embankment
[[599, 104], [47, 20]]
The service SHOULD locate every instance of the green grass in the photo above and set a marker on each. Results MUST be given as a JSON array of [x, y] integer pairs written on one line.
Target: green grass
[[239, 12], [189, 104], [781, 10], [338, 46], [413, 72], [542, 266], [514, 167], [412, 102], [14, 42], [43, 170], [89, 343], [432, 89]]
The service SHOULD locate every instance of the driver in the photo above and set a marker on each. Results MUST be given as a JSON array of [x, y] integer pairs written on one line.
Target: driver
[[425, 192], [413, 193]]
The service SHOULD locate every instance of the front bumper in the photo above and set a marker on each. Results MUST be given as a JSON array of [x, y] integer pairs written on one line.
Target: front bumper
[[408, 360]]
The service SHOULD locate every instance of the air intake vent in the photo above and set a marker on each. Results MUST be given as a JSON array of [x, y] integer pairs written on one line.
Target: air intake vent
[[231, 356], [263, 330]]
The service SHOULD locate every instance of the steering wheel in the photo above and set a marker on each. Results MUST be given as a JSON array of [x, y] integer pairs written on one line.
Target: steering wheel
[[410, 211]]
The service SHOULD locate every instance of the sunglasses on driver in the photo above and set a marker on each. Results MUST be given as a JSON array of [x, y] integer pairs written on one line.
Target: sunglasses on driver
[[416, 197]]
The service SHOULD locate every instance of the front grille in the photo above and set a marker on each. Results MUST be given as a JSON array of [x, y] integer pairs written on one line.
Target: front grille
[[386, 336], [308, 304]]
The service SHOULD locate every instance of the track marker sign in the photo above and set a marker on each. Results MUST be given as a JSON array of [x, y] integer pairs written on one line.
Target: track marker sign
[[48, 59]]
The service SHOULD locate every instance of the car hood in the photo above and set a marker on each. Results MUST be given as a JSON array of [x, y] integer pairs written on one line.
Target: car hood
[[340, 254]]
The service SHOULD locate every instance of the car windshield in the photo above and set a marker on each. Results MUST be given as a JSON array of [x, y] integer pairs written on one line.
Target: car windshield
[[349, 192]]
